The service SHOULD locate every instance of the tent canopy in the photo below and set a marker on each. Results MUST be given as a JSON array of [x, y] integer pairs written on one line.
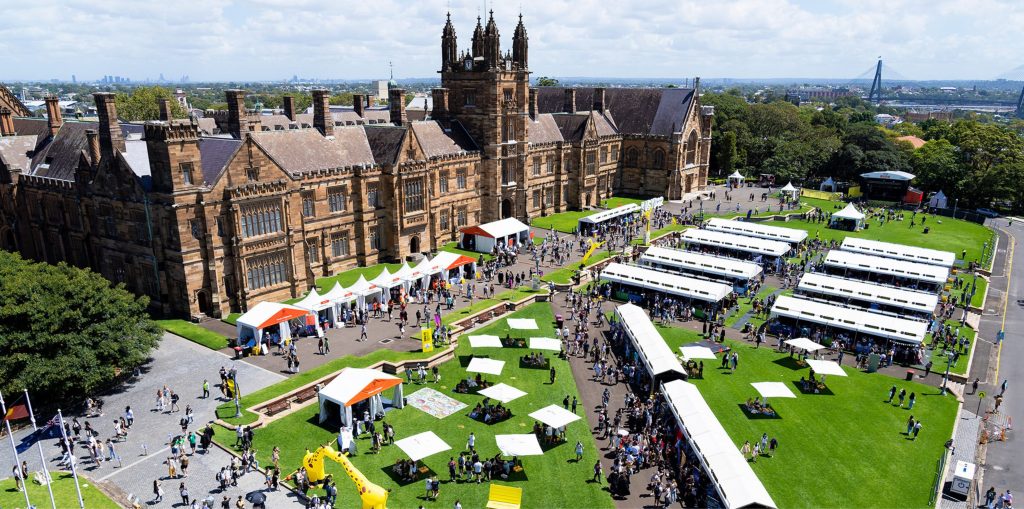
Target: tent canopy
[[362, 287], [804, 344], [737, 175], [353, 385], [696, 352], [789, 188], [773, 390], [383, 280], [485, 365], [265, 314], [554, 416], [502, 392], [422, 445], [484, 341], [497, 229], [522, 323], [446, 260], [849, 212], [826, 367], [313, 301], [518, 445], [889, 175], [545, 344]]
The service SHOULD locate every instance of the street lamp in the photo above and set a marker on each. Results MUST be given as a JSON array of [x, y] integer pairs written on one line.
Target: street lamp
[[945, 377]]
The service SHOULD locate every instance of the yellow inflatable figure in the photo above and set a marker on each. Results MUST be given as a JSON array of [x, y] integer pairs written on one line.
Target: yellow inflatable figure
[[372, 495]]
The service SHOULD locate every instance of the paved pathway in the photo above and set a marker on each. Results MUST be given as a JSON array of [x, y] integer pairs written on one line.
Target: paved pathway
[[965, 448], [182, 365]]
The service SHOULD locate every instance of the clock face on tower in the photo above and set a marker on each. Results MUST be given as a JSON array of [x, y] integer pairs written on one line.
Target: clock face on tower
[[469, 64]]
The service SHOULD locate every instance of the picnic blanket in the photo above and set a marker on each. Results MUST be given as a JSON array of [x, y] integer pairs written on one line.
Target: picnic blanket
[[434, 403]]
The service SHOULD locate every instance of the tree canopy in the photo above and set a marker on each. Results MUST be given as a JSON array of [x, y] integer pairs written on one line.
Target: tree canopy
[[142, 104], [65, 332], [545, 81]]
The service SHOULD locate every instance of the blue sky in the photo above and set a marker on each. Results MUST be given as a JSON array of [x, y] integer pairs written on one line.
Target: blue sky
[[346, 39]]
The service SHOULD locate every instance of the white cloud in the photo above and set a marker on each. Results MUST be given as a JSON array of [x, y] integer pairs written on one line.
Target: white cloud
[[274, 39]]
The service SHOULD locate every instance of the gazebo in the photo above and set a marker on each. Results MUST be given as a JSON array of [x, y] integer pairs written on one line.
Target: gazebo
[[736, 179], [828, 185], [793, 192], [849, 219], [267, 322], [353, 386]]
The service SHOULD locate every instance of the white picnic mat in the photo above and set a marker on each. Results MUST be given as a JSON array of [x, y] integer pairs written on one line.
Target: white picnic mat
[[546, 344], [484, 342], [773, 390], [518, 445], [826, 367], [696, 352], [422, 445], [485, 365]]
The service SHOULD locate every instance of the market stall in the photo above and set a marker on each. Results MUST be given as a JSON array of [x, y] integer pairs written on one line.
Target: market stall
[[267, 323], [358, 387]]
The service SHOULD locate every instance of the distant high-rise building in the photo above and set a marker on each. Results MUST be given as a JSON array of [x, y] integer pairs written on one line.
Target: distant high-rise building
[[73, 79], [381, 87]]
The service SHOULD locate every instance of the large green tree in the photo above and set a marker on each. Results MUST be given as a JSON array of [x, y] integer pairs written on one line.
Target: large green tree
[[143, 104], [66, 332]]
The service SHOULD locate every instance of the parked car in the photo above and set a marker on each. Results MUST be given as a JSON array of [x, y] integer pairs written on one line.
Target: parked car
[[987, 212]]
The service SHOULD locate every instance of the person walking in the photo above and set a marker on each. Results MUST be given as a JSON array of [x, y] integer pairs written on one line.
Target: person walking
[[158, 491], [206, 388], [974, 385], [903, 396], [913, 399], [597, 472], [553, 373], [892, 394], [910, 425], [362, 333], [1002, 388], [917, 429], [579, 451], [990, 497], [112, 454], [183, 491]]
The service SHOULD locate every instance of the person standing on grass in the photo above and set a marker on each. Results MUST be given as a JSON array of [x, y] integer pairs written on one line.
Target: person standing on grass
[[579, 451], [917, 429], [913, 399], [903, 396], [892, 394], [553, 373], [471, 442], [597, 472]]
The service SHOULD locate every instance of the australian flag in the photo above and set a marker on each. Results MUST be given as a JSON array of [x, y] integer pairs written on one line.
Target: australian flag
[[50, 430]]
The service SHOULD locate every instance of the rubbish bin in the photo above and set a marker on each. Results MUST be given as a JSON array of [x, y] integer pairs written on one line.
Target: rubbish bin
[[910, 375]]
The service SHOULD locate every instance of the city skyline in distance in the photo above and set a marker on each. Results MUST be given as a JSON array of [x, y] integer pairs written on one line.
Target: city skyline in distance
[[269, 40]]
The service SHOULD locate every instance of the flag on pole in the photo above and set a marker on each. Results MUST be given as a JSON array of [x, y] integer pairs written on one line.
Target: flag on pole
[[39, 446], [17, 411]]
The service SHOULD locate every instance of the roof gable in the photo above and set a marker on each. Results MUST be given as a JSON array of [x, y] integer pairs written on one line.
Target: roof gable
[[659, 111]]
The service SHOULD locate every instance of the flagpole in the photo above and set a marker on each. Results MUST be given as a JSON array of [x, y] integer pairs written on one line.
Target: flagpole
[[74, 462], [39, 446], [14, 449]]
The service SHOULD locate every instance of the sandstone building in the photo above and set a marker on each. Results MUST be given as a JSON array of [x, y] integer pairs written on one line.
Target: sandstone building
[[210, 216]]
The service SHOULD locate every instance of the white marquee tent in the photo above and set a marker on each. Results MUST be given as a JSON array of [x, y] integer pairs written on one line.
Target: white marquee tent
[[803, 344], [353, 385], [267, 317], [482, 238]]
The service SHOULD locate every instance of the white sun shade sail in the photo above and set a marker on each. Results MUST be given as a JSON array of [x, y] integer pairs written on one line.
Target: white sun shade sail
[[804, 344], [518, 445], [554, 416], [485, 365], [546, 344], [826, 367], [502, 392], [484, 341], [773, 390], [522, 323], [422, 445], [696, 352]]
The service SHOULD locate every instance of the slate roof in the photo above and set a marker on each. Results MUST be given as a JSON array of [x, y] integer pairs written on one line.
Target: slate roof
[[58, 157], [636, 110], [385, 142], [571, 126], [544, 130], [214, 154], [437, 142], [15, 150], [304, 150], [31, 126]]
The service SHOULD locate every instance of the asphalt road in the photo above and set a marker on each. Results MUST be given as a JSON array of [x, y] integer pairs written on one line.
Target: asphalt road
[[1004, 460]]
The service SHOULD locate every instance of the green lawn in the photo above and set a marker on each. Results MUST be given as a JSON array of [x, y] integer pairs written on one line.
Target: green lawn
[[451, 248], [981, 285], [194, 333], [506, 296], [545, 479], [63, 493], [744, 306], [843, 449], [676, 337], [939, 359], [565, 222], [231, 319], [618, 201], [564, 275], [348, 277], [661, 232]]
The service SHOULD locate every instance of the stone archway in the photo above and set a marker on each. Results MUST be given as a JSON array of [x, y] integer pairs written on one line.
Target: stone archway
[[7, 241], [507, 208], [203, 300], [414, 245]]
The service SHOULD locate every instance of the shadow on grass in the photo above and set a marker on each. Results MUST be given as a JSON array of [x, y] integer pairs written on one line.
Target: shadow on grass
[[748, 415], [823, 392], [422, 472], [789, 362]]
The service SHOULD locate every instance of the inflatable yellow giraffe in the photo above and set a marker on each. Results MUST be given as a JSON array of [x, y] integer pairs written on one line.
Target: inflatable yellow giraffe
[[372, 495]]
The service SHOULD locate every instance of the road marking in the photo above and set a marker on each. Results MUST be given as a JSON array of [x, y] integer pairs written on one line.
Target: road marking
[[1006, 300], [130, 465]]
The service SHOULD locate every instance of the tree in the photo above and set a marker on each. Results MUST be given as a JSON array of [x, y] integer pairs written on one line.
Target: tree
[[725, 153], [143, 104], [937, 168], [545, 81], [65, 332]]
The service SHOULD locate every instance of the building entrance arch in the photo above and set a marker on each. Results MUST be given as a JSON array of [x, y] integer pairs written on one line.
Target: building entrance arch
[[507, 209]]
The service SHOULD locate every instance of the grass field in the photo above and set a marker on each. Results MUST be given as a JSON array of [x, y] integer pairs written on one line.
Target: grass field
[[552, 480], [231, 319], [744, 306], [564, 222], [939, 359], [63, 493], [836, 449], [506, 296], [618, 201], [194, 333], [563, 276], [981, 287]]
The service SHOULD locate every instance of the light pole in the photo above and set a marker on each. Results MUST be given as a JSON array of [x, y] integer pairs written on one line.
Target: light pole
[[945, 377], [955, 203]]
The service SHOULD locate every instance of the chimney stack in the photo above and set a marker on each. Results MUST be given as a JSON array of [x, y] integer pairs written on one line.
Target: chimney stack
[[396, 104], [569, 106], [111, 138], [238, 123], [322, 119], [370, 100], [289, 107], [165, 110], [599, 100], [93, 139], [53, 116], [533, 104], [357, 104], [6, 122], [440, 108]]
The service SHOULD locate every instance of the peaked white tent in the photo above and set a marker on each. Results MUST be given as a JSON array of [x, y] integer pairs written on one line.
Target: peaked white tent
[[482, 238], [354, 385], [554, 416], [793, 192], [320, 306], [938, 200], [518, 445], [828, 185], [422, 445], [267, 319], [849, 217], [362, 289], [453, 265], [736, 179]]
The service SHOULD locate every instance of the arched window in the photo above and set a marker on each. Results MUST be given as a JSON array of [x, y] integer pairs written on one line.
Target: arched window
[[659, 158], [631, 156], [691, 148]]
